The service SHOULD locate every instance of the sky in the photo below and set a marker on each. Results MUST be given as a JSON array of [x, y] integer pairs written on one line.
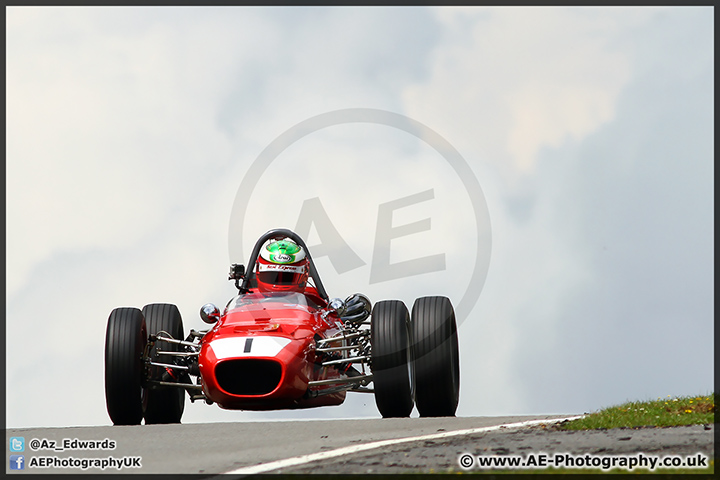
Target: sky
[[581, 268]]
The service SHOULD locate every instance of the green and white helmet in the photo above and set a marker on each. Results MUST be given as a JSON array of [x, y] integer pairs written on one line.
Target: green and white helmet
[[282, 266]]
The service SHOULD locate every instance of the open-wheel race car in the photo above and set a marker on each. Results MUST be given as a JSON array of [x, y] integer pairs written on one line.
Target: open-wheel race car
[[282, 343]]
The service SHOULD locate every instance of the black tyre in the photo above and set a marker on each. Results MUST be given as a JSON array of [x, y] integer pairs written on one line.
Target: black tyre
[[163, 404], [125, 341], [435, 357], [391, 365]]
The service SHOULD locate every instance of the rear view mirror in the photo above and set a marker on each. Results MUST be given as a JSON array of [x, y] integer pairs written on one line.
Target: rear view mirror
[[210, 313]]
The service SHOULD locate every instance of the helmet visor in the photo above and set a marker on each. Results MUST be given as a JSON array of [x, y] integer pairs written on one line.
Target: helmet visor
[[280, 278], [271, 274]]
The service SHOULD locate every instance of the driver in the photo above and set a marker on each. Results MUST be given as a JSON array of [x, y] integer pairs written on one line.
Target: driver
[[282, 267]]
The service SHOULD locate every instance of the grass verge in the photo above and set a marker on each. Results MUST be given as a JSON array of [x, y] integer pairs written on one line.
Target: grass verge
[[663, 412]]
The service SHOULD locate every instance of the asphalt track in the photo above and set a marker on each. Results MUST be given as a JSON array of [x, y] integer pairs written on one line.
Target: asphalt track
[[337, 446]]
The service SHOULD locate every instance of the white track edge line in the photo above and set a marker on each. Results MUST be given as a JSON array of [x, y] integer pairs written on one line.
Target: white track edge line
[[313, 457]]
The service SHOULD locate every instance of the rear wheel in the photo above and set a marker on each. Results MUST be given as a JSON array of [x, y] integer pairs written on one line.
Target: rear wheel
[[163, 404], [391, 365], [436, 357], [125, 341]]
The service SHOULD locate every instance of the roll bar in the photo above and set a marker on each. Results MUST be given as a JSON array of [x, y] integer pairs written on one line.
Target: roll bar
[[279, 234]]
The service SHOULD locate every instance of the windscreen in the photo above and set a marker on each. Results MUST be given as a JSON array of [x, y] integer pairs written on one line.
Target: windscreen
[[261, 301]]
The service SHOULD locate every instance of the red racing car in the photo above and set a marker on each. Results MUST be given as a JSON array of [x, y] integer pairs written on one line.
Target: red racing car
[[282, 343]]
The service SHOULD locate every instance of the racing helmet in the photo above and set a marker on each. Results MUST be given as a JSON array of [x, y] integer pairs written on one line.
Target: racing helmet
[[281, 266]]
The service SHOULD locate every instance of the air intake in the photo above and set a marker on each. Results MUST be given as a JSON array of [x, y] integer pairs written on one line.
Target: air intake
[[248, 376]]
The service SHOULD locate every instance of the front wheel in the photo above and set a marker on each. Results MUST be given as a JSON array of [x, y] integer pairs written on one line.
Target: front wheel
[[163, 404], [436, 357], [391, 366], [125, 341]]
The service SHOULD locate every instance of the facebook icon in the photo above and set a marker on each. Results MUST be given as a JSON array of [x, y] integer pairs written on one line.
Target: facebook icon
[[17, 462]]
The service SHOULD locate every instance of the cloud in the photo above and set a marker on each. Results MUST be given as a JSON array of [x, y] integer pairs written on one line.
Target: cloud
[[642, 216], [109, 131], [508, 82], [129, 131], [600, 193]]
